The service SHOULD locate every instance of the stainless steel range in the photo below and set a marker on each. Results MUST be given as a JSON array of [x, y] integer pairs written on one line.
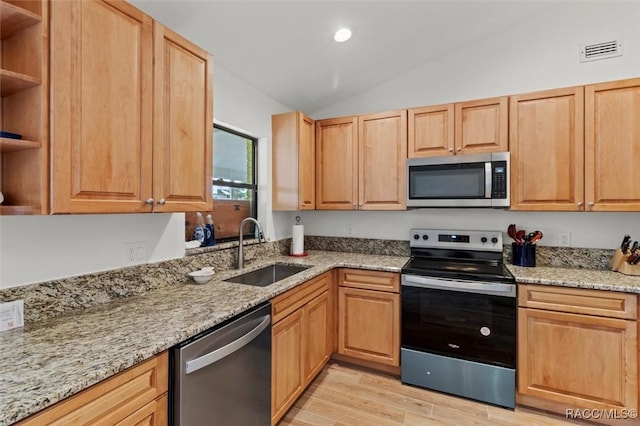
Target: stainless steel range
[[459, 316]]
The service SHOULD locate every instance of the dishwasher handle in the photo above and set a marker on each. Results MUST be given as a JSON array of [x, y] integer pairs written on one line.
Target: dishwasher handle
[[236, 345]]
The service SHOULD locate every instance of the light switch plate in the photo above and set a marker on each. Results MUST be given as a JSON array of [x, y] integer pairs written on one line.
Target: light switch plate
[[11, 315]]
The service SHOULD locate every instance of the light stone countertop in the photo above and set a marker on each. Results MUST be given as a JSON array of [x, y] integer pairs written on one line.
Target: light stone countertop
[[50, 360], [53, 359], [595, 279]]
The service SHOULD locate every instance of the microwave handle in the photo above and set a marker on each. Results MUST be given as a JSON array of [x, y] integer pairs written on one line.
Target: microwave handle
[[488, 175]]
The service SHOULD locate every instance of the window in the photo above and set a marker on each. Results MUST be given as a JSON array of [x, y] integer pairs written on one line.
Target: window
[[234, 186]]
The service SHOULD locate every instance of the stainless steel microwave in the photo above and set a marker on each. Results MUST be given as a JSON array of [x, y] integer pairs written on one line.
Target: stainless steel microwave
[[478, 180]]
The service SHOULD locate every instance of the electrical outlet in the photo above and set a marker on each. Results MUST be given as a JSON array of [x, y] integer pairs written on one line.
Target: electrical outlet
[[349, 230], [135, 252], [564, 239], [11, 315]]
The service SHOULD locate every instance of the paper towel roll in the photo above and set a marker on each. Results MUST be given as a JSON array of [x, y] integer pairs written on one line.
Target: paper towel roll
[[297, 243]]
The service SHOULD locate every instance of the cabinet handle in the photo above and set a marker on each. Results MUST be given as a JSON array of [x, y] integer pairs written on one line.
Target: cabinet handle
[[459, 149], [450, 149], [591, 204], [161, 201], [149, 201]]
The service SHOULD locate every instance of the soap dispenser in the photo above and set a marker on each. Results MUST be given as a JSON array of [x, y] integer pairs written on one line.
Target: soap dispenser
[[210, 231], [200, 229]]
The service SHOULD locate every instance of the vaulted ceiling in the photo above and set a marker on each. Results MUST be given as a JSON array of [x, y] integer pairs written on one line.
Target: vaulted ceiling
[[286, 50]]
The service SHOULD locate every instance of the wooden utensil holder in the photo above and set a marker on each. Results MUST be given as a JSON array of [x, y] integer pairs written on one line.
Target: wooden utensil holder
[[619, 264]]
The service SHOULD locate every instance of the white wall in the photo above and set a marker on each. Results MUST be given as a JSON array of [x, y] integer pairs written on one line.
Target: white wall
[[541, 53], [42, 248]]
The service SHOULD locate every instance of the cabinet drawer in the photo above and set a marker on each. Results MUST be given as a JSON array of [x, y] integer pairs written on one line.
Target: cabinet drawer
[[113, 400], [369, 280], [285, 303], [578, 301]]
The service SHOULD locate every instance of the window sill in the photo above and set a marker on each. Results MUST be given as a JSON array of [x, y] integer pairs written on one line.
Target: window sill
[[220, 247]]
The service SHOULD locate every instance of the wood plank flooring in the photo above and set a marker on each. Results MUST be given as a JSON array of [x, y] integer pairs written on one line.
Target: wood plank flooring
[[343, 395]]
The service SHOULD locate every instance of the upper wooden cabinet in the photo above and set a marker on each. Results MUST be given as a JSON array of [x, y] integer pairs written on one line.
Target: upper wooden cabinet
[[293, 143], [565, 159], [131, 116], [24, 89], [546, 145], [471, 127], [183, 124], [337, 163], [360, 162], [612, 145]]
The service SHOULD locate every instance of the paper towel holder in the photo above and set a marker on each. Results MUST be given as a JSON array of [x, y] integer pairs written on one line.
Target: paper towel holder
[[304, 253]]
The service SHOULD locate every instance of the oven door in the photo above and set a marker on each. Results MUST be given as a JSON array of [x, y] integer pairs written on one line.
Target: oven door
[[466, 320]]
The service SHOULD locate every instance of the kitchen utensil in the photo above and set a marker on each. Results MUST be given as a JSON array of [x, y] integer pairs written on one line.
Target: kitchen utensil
[[625, 246], [520, 236], [511, 231], [635, 259], [625, 240], [537, 236], [634, 246]]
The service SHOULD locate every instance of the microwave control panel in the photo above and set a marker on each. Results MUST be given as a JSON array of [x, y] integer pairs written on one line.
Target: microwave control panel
[[499, 185]]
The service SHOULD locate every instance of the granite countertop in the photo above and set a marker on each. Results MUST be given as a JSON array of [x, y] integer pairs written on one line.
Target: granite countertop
[[596, 279], [56, 358], [53, 359]]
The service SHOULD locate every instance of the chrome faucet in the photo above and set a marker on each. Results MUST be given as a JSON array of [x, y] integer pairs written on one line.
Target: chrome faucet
[[240, 263]]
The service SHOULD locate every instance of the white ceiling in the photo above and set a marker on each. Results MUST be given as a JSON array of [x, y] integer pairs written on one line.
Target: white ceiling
[[286, 50]]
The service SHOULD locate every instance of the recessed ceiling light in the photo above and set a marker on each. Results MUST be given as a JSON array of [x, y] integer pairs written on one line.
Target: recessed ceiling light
[[342, 34]]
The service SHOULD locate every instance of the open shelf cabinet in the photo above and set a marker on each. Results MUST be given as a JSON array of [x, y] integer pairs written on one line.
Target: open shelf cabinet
[[24, 86]]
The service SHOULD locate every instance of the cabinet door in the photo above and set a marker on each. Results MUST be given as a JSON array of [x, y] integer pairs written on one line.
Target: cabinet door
[[482, 126], [369, 325], [431, 131], [306, 163], [101, 109], [183, 124], [337, 164], [154, 413], [293, 143], [382, 161], [578, 360], [546, 145], [287, 366], [317, 321], [612, 145]]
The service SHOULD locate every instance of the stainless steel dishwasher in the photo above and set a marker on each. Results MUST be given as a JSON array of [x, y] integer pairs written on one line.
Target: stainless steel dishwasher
[[223, 375]]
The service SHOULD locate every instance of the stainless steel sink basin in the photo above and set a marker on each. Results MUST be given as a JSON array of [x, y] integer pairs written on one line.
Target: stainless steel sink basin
[[267, 275]]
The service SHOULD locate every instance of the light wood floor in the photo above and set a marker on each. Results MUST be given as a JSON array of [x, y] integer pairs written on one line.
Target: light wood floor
[[342, 395]]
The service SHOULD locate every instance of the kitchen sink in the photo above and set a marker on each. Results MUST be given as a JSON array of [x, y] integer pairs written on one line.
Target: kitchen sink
[[268, 275]]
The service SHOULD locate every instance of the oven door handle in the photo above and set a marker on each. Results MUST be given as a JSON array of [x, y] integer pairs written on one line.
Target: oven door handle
[[497, 289]]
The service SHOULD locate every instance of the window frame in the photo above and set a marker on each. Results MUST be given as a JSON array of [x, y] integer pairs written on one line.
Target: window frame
[[249, 233]]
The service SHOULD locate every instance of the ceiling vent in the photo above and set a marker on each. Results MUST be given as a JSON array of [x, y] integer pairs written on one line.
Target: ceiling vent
[[604, 50]]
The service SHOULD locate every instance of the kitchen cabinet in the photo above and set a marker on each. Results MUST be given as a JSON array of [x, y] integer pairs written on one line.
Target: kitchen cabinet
[[471, 127], [293, 143], [302, 340], [612, 145], [135, 396], [131, 113], [24, 90], [577, 348], [369, 316], [571, 148], [361, 162], [547, 150]]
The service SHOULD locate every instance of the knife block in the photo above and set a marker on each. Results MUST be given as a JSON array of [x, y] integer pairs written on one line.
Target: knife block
[[619, 264], [627, 269], [618, 260]]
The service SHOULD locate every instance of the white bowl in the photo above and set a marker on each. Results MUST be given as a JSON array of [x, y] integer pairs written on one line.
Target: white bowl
[[202, 276]]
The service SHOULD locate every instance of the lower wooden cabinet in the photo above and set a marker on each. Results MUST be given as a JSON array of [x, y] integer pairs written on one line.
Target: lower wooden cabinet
[[369, 320], [577, 348], [301, 340], [135, 396], [287, 362]]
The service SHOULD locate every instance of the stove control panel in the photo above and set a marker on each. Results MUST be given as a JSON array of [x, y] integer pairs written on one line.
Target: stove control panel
[[456, 239]]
